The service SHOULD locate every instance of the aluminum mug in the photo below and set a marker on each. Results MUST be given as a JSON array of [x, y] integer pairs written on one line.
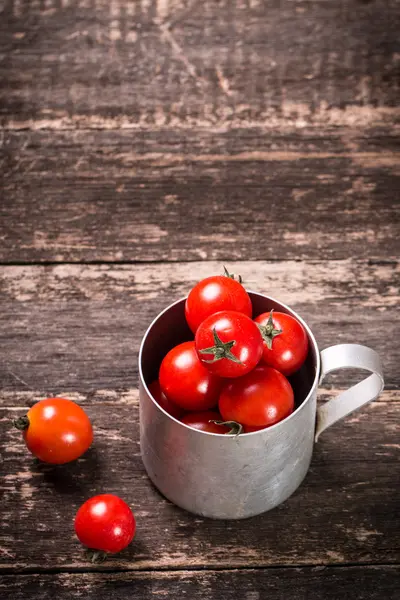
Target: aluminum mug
[[234, 477]]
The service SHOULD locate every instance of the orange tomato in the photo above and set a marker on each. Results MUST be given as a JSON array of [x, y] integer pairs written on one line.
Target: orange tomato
[[56, 430]]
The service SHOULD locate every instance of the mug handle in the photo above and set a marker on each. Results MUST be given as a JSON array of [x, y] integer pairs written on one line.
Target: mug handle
[[348, 356]]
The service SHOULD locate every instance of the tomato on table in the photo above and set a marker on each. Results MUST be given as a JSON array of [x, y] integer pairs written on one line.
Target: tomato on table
[[285, 341], [213, 294], [205, 421], [229, 344], [56, 430], [172, 409], [261, 398], [186, 382], [105, 523]]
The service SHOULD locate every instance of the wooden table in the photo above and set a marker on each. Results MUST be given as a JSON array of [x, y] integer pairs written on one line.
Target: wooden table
[[144, 145]]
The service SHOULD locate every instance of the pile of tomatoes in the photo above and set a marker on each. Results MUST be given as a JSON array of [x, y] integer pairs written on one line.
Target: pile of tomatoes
[[232, 377]]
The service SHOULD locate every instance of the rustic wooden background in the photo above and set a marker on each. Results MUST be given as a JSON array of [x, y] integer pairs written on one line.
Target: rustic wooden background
[[144, 144]]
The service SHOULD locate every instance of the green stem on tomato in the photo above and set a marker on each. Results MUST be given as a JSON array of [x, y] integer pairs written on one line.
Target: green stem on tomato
[[220, 350], [231, 275], [22, 423], [235, 428], [96, 556], [268, 331]]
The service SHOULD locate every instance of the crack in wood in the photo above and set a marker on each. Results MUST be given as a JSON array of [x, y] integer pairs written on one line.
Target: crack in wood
[[168, 36]]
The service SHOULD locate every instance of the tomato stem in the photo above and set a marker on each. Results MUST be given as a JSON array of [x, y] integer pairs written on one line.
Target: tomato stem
[[96, 556], [220, 350], [235, 428], [268, 331], [22, 423], [231, 275]]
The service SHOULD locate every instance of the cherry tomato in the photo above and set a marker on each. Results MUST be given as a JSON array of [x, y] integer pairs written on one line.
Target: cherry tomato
[[285, 341], [214, 294], [56, 430], [229, 344], [261, 398], [201, 421], [186, 382], [105, 523], [161, 399]]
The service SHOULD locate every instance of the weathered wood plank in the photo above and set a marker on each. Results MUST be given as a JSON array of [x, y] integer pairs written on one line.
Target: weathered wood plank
[[118, 196], [345, 511], [183, 63], [357, 583], [79, 326]]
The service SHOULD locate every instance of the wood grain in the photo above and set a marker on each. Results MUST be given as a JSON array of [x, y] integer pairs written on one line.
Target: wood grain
[[79, 327], [357, 583], [149, 63], [346, 509], [156, 135], [117, 196]]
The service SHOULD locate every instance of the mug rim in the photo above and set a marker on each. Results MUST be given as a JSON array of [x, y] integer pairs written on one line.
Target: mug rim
[[252, 433]]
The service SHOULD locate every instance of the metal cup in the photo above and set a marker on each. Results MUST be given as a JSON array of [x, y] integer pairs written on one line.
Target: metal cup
[[233, 477]]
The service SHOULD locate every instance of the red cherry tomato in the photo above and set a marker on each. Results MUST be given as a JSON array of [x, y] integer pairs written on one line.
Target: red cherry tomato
[[285, 341], [56, 430], [201, 421], [229, 344], [261, 398], [214, 294], [105, 523], [186, 382], [161, 399]]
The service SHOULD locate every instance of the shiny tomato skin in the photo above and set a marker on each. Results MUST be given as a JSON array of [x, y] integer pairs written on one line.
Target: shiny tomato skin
[[172, 409], [230, 326], [200, 421], [186, 382], [261, 398], [289, 348], [59, 431], [214, 294], [105, 523]]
